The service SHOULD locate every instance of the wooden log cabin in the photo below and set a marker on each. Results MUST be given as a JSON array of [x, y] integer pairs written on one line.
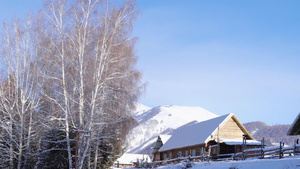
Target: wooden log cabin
[[220, 135]]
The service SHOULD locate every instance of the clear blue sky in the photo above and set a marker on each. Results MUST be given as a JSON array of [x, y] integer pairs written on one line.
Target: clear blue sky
[[240, 57]]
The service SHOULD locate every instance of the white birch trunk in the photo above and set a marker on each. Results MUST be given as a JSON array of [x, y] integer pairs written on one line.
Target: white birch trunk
[[57, 12], [11, 151]]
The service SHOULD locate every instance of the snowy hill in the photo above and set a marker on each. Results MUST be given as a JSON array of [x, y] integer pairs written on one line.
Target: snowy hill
[[140, 108], [162, 120]]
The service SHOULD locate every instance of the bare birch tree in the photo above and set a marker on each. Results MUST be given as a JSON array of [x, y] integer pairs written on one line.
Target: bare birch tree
[[90, 60], [18, 97], [74, 69]]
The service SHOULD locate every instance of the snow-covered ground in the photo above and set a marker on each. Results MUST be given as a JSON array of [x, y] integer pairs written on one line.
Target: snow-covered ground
[[284, 163]]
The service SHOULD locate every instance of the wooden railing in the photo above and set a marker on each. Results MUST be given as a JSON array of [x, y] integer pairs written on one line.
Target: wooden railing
[[257, 153]]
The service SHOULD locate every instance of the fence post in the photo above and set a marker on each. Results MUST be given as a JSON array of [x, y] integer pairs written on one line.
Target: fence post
[[262, 146], [280, 150], [137, 163], [295, 149], [244, 147], [234, 153]]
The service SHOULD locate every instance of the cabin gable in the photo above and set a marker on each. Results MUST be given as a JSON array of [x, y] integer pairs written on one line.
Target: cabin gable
[[229, 130]]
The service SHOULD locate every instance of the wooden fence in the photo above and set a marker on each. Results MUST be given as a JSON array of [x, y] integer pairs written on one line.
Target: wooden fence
[[257, 153]]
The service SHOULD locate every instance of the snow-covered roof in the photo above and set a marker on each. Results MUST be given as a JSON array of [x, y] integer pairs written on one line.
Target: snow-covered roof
[[165, 137], [199, 133], [128, 158]]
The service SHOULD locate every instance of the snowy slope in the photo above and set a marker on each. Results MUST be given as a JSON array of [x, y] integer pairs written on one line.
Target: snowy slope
[[162, 120], [285, 163], [292, 162], [140, 108]]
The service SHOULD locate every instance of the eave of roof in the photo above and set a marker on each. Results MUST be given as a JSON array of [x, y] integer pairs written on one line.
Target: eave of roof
[[242, 127], [295, 127], [239, 142]]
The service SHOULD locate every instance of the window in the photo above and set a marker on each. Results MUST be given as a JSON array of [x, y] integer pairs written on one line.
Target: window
[[170, 155], [165, 156], [214, 150], [179, 153], [186, 153], [193, 152], [201, 151]]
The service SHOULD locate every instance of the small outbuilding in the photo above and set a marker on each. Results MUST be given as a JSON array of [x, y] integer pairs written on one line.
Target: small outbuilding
[[220, 135], [161, 139], [128, 160]]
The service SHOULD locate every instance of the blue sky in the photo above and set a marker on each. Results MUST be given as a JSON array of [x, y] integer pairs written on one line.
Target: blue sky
[[238, 57]]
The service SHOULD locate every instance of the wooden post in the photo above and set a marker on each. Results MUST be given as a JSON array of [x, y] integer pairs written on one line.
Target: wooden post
[[296, 149], [262, 146], [280, 150], [218, 140], [244, 146], [235, 151]]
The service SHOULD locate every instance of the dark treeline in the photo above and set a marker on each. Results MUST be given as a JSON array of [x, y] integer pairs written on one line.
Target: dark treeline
[[273, 134]]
